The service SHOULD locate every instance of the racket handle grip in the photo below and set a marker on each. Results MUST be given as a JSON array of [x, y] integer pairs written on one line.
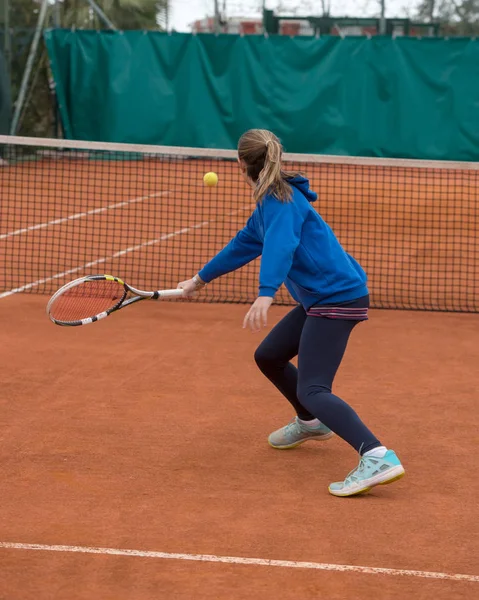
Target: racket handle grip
[[168, 294]]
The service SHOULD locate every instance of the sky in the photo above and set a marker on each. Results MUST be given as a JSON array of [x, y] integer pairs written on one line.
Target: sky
[[185, 12]]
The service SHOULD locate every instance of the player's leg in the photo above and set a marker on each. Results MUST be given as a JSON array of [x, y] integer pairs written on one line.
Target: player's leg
[[273, 357], [322, 346]]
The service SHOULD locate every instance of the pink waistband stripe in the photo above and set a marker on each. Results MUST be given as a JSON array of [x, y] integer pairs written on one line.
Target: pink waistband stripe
[[339, 312]]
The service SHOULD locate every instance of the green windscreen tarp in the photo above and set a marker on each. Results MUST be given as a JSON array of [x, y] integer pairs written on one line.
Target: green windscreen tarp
[[400, 97]]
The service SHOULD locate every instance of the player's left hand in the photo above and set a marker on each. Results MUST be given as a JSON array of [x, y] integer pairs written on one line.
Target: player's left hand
[[257, 314]]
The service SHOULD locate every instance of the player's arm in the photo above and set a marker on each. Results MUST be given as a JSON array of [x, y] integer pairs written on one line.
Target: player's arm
[[283, 223], [241, 250]]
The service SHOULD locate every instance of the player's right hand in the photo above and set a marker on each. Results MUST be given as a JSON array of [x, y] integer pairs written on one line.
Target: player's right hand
[[189, 286]]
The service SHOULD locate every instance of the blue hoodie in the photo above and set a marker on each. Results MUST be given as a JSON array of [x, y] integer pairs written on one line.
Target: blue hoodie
[[298, 249]]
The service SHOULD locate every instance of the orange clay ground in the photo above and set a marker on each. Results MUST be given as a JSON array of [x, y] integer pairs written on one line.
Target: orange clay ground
[[148, 432]]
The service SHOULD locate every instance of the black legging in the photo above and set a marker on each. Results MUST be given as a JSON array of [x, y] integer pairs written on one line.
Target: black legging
[[320, 344]]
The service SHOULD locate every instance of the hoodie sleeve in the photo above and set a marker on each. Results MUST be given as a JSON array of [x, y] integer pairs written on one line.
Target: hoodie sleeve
[[242, 249], [283, 223]]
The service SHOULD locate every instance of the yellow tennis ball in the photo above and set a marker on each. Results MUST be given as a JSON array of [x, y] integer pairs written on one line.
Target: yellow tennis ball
[[210, 179]]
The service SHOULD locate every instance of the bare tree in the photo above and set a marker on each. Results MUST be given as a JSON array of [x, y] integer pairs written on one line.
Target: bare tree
[[425, 10], [124, 14], [457, 17], [326, 7]]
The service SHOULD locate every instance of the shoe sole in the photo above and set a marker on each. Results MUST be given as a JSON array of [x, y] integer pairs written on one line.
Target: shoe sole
[[316, 438], [394, 474]]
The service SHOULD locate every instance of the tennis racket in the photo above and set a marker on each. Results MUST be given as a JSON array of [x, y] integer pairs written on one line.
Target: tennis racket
[[90, 299]]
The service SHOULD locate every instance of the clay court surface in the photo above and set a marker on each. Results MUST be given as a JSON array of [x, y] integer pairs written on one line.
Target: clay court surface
[[147, 432], [133, 451]]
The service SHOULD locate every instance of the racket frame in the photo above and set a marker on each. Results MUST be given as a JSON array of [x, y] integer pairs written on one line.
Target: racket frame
[[139, 295]]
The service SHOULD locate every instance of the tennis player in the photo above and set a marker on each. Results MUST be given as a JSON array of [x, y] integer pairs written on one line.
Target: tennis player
[[299, 249]]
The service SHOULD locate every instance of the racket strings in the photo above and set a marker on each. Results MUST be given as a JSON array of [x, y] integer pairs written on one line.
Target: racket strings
[[87, 300]]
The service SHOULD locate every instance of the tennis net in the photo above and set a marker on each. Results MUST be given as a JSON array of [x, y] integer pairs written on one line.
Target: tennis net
[[142, 213]]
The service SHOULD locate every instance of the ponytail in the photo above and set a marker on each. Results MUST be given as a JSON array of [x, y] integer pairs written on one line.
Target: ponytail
[[261, 151]]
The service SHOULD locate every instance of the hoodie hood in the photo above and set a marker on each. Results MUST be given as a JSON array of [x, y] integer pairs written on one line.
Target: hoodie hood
[[302, 184]]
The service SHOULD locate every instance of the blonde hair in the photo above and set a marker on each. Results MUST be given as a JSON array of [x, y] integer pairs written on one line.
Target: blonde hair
[[261, 152]]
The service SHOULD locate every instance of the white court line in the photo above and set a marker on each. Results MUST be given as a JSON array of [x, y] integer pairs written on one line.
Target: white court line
[[94, 211], [99, 261], [239, 560]]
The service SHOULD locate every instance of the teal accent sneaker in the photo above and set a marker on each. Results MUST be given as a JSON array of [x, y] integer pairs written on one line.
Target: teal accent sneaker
[[295, 433], [371, 471]]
